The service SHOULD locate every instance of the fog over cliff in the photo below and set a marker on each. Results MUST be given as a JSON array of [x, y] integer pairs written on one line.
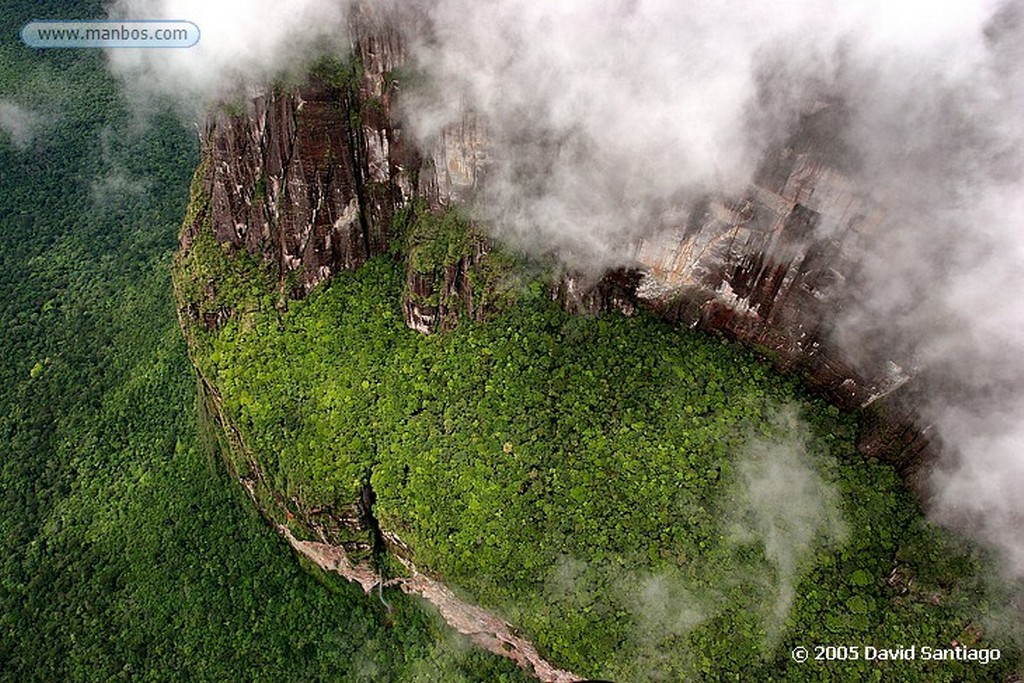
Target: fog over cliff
[[607, 118], [243, 44]]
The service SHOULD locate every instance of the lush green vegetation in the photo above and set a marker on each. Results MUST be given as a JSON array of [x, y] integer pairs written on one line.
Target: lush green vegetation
[[126, 553], [645, 503]]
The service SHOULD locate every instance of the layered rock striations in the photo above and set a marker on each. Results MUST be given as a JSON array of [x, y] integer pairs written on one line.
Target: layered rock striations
[[320, 177], [288, 179], [777, 266]]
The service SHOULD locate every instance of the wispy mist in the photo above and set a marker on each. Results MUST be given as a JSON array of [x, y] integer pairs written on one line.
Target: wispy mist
[[244, 44], [940, 134], [606, 119], [18, 124], [785, 506], [600, 116], [775, 516]]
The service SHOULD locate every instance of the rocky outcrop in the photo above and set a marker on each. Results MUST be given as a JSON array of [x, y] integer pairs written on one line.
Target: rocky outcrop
[[434, 299], [485, 629], [775, 267], [284, 182], [615, 291], [320, 177], [453, 272], [310, 177], [772, 266]]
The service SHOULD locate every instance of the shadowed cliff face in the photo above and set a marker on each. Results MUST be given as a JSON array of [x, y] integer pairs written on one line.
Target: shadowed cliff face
[[314, 178], [288, 179], [310, 176]]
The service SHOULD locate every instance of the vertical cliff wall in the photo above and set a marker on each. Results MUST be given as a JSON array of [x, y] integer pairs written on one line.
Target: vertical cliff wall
[[289, 178], [320, 177], [776, 266]]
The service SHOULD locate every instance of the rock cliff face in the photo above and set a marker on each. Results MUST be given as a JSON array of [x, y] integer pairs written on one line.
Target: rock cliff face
[[310, 177], [776, 266], [285, 180], [319, 178]]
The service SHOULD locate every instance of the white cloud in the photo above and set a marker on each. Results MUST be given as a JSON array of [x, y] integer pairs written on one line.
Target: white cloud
[[19, 124], [243, 43]]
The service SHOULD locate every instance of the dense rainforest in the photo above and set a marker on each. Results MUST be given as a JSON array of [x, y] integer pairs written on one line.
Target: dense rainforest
[[126, 553]]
